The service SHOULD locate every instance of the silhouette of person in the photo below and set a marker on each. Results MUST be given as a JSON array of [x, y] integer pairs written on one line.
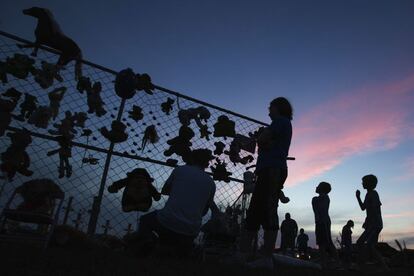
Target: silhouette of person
[[302, 241], [288, 231], [346, 243], [320, 205], [271, 171], [190, 193], [373, 222]]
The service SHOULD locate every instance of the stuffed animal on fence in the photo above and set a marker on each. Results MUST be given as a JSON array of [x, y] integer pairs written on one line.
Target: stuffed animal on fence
[[79, 119], [138, 192], [198, 114], [234, 154], [151, 135], [116, 134], [181, 145], [55, 97], [83, 84], [15, 159], [39, 195], [27, 106], [224, 127], [167, 106], [125, 83], [143, 83], [204, 132], [94, 100], [6, 108], [41, 117], [219, 148], [65, 152], [49, 33], [47, 75], [20, 66], [66, 126], [136, 113], [220, 172]]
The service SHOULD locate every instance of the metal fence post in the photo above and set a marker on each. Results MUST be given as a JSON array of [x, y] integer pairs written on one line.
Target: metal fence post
[[96, 207]]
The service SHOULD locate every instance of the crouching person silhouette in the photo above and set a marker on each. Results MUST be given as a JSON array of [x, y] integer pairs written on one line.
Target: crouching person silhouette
[[190, 193], [373, 222]]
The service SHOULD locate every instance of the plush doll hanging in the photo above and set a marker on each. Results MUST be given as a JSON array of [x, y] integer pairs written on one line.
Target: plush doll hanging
[[136, 113], [224, 127], [65, 151], [79, 119], [220, 172], [181, 145], [219, 148], [41, 117], [6, 108], [66, 126], [167, 106], [55, 97], [83, 84], [143, 83], [46, 76], [116, 134], [15, 158], [198, 114], [139, 191], [20, 66], [27, 106], [39, 195], [151, 135], [94, 100], [125, 83], [234, 154]]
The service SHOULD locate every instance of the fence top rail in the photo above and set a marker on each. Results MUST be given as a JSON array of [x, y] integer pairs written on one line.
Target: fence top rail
[[108, 70]]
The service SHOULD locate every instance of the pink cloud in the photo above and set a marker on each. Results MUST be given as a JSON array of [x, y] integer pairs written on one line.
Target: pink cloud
[[369, 119]]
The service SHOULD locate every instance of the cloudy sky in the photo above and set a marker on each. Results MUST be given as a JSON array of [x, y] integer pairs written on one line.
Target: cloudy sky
[[346, 66]]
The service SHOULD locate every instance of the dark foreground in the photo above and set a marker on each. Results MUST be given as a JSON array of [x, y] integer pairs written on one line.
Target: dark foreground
[[23, 260]]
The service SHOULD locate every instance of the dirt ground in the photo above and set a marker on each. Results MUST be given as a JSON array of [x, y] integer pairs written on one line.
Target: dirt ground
[[24, 260]]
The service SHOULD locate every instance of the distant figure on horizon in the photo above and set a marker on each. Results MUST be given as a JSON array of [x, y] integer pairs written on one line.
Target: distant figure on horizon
[[346, 243], [190, 193], [288, 231], [320, 205], [373, 222], [271, 171], [302, 241]]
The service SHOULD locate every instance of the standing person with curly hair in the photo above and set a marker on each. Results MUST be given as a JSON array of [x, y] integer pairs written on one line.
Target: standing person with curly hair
[[271, 171]]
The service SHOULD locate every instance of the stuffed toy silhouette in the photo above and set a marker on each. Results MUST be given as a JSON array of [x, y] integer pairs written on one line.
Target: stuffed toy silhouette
[[20, 66], [136, 113], [49, 33], [66, 126], [224, 127], [94, 100], [198, 114], [167, 106], [127, 82], [27, 106], [219, 148], [6, 108], [46, 76], [84, 84], [181, 144], [79, 119], [41, 117], [55, 97], [117, 133], [143, 83], [39, 195], [138, 192], [151, 135], [65, 151], [220, 172], [204, 132], [234, 154], [15, 158]]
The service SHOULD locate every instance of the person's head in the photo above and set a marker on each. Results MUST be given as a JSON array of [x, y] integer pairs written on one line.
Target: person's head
[[302, 230], [323, 188], [201, 158], [280, 107], [369, 182], [287, 216], [350, 223]]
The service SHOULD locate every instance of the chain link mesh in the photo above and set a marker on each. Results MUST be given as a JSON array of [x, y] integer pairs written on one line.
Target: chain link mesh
[[84, 184]]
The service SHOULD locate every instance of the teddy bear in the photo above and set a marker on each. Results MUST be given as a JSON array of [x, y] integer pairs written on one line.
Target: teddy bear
[[150, 134], [20, 66], [139, 190], [94, 100], [219, 148], [127, 82], [136, 113], [27, 106], [167, 106], [117, 133], [15, 158], [234, 154], [46, 76], [83, 84], [55, 97], [224, 127], [181, 144], [220, 172], [41, 117]]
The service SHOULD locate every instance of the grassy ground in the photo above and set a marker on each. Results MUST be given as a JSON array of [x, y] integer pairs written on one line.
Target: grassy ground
[[24, 260]]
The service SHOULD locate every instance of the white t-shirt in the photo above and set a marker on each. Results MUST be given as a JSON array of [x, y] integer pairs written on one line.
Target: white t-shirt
[[191, 193]]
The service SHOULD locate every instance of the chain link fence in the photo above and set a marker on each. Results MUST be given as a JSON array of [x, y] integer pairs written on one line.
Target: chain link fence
[[96, 163]]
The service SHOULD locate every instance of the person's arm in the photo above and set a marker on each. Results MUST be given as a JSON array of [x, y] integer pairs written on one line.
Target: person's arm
[[315, 209], [362, 205], [296, 228], [154, 193], [166, 189], [117, 185]]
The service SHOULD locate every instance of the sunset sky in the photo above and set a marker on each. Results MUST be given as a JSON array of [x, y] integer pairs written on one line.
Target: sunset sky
[[346, 66]]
